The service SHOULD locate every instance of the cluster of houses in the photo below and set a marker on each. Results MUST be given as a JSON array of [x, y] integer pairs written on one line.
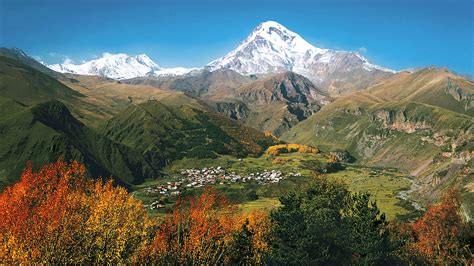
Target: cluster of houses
[[195, 178], [209, 176]]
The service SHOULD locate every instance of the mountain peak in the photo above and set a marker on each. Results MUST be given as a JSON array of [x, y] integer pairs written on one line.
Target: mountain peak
[[119, 66], [281, 36], [116, 66], [271, 47], [270, 25]]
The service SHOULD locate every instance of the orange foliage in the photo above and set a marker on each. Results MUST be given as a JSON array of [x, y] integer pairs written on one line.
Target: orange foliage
[[259, 225], [200, 231], [42, 207], [56, 215], [288, 148], [440, 232]]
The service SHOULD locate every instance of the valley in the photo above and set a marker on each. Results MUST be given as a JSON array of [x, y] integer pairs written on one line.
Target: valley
[[405, 138], [296, 169], [260, 132], [277, 152]]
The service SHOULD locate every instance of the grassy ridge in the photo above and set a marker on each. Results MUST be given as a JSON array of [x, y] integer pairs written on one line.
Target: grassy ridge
[[167, 133], [411, 121], [384, 132], [140, 138], [47, 131]]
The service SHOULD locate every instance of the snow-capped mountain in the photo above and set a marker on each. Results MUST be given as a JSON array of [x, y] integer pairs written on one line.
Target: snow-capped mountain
[[119, 66], [273, 48], [269, 49]]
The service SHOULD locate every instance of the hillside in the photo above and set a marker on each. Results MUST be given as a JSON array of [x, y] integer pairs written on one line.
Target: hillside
[[39, 127], [202, 84], [165, 133], [29, 86], [20, 56], [410, 121], [47, 131], [433, 86], [273, 103]]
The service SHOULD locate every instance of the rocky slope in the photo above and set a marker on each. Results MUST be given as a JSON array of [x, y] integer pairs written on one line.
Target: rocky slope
[[274, 103], [271, 103], [410, 121]]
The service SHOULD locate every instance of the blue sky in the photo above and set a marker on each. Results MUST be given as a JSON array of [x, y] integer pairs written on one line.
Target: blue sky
[[396, 34]]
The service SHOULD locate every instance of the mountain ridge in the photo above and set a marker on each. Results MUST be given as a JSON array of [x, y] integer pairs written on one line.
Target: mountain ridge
[[119, 66], [270, 48]]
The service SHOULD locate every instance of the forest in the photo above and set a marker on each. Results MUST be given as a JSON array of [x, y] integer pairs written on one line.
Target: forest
[[58, 214]]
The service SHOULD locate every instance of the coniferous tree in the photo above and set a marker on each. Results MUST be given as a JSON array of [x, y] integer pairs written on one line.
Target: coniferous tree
[[326, 224]]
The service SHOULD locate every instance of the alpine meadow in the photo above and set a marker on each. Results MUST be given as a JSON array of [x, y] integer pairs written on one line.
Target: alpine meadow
[[237, 132]]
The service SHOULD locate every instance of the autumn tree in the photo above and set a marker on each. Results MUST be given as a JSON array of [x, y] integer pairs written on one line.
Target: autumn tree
[[208, 229], [250, 243], [58, 215], [441, 235], [289, 148], [117, 225], [199, 231]]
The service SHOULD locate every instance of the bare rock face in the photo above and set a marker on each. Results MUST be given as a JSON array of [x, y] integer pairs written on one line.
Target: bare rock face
[[279, 101], [459, 94], [235, 110], [343, 156], [398, 120]]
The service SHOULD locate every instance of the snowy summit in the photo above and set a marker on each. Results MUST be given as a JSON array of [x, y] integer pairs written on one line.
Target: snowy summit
[[271, 47], [118, 66]]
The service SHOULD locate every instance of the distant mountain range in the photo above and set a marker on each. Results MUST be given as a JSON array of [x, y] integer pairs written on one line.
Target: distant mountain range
[[119, 66], [270, 48], [128, 132], [128, 117]]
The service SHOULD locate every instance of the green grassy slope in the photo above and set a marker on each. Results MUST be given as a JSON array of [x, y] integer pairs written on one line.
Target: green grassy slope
[[401, 126], [21, 56], [47, 131], [29, 86], [40, 122], [165, 133], [411, 121]]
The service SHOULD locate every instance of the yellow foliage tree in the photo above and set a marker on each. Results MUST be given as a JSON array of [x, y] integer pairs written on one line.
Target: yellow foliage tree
[[289, 148], [57, 215]]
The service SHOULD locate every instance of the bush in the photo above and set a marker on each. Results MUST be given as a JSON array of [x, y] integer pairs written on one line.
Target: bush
[[252, 195]]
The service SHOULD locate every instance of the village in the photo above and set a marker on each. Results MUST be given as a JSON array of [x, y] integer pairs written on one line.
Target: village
[[196, 178]]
